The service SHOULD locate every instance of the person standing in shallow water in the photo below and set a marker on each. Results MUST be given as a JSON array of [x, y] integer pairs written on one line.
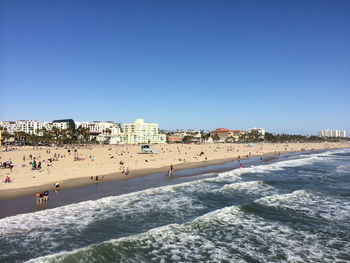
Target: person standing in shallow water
[[46, 195], [37, 195]]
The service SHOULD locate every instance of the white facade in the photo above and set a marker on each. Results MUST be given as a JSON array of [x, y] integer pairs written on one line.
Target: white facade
[[342, 134], [9, 126], [141, 132], [110, 139], [257, 131], [98, 127], [27, 126], [332, 133], [183, 133], [59, 125], [84, 124]]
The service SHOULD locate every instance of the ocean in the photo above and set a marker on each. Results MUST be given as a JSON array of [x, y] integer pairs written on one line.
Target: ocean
[[293, 210]]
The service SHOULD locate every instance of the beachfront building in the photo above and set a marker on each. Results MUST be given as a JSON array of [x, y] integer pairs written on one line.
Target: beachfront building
[[107, 132], [27, 126], [9, 126], [59, 124], [107, 127], [174, 138], [224, 134], [105, 138], [179, 135], [142, 132], [257, 131], [332, 133], [83, 124]]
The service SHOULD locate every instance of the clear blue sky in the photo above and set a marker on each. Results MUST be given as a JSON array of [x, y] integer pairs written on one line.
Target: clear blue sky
[[280, 65]]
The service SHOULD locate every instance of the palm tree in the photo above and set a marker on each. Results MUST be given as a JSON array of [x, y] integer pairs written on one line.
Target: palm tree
[[83, 133], [56, 132], [216, 137]]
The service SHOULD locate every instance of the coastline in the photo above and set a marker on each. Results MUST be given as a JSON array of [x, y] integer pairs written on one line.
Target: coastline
[[83, 181], [137, 173]]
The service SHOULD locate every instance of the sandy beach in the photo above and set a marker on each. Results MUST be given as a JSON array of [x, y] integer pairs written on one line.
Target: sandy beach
[[75, 166]]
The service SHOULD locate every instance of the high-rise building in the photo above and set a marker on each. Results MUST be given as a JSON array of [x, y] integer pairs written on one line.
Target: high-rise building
[[141, 132], [332, 133]]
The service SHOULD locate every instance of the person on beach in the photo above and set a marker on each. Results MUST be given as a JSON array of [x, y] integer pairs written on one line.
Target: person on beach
[[46, 195], [127, 171], [37, 197], [40, 198]]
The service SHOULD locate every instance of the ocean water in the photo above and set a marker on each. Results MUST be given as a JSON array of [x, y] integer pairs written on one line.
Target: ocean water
[[295, 210]]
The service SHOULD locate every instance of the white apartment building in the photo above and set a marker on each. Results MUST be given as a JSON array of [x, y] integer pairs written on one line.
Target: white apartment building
[[27, 126], [257, 131], [59, 125], [9, 126], [332, 133], [342, 134], [84, 124], [98, 127], [183, 133], [141, 132]]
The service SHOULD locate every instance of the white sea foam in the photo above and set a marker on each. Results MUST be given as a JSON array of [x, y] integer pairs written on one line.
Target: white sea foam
[[345, 168], [312, 204], [247, 188], [57, 226], [224, 235]]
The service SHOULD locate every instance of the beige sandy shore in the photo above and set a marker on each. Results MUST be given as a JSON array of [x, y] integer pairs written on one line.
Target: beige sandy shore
[[104, 162]]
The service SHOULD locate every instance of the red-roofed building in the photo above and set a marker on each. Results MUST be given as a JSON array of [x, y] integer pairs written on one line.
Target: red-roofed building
[[224, 133]]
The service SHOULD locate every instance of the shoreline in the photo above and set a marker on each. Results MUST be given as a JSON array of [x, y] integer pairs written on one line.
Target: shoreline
[[105, 189], [84, 181]]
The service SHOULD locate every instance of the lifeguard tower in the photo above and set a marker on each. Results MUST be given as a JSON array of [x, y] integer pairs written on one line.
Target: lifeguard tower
[[145, 148]]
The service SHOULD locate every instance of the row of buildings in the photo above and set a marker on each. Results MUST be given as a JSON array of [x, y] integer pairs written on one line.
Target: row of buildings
[[218, 135], [104, 132], [332, 133], [110, 132]]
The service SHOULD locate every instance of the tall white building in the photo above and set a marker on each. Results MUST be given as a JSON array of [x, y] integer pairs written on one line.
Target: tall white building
[[142, 132], [332, 133], [342, 134]]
